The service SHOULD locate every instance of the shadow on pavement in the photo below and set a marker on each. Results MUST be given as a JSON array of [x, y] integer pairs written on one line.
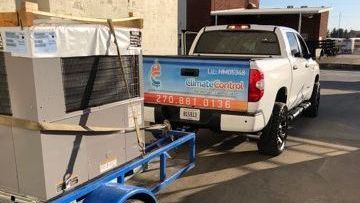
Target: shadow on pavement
[[341, 85], [338, 120], [321, 181], [309, 171]]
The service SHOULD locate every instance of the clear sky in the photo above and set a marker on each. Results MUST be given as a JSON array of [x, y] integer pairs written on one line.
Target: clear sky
[[349, 10]]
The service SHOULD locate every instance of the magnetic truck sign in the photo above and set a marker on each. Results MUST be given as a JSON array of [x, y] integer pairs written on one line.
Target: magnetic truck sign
[[206, 84]]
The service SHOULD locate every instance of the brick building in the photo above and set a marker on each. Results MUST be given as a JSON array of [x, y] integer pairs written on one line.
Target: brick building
[[198, 11], [311, 22]]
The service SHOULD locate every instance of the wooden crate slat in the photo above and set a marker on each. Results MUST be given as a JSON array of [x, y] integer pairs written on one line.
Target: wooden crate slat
[[8, 19]]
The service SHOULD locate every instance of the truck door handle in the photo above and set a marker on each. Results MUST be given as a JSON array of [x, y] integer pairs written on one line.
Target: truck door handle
[[295, 67], [190, 72]]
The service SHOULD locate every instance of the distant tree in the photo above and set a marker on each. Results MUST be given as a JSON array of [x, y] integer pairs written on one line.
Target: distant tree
[[333, 33], [343, 33]]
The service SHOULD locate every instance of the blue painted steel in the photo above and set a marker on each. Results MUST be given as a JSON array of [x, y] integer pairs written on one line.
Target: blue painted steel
[[192, 152], [162, 140], [119, 173], [121, 179], [163, 158], [117, 193], [172, 178]]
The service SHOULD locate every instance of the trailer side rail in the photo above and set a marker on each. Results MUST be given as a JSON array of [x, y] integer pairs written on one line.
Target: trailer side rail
[[181, 138]]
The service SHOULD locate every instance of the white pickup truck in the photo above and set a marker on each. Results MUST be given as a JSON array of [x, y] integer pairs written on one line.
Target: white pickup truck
[[250, 79]]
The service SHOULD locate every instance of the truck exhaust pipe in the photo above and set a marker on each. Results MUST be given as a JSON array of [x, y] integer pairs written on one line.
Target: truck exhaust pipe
[[298, 110]]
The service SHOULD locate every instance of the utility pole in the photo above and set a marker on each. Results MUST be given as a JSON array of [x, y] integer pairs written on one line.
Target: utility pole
[[340, 18]]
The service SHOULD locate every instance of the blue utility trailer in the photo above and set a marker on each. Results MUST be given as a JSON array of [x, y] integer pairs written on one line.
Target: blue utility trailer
[[111, 187]]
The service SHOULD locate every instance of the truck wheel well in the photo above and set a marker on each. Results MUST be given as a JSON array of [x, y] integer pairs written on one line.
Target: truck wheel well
[[281, 95]]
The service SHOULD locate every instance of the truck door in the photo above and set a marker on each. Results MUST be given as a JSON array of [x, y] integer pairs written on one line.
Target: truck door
[[298, 63], [309, 68]]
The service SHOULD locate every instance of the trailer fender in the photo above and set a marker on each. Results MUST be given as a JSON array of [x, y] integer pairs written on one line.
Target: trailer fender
[[117, 193]]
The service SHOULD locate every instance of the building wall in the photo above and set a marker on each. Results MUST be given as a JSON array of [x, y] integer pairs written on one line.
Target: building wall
[[198, 11], [198, 14], [87, 8], [282, 20], [310, 27], [7, 6], [232, 4], [324, 20], [160, 33]]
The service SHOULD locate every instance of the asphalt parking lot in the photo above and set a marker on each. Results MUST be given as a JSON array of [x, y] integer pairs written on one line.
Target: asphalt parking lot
[[321, 163]]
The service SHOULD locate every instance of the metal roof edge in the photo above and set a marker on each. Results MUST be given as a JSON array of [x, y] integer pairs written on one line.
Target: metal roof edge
[[274, 11]]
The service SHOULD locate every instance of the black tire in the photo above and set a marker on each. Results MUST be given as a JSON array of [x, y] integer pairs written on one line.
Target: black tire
[[273, 137], [313, 110]]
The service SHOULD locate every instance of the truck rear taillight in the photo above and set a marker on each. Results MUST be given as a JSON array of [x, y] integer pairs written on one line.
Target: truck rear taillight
[[256, 85]]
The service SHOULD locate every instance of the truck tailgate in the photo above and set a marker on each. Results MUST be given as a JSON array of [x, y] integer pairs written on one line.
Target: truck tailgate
[[194, 82]]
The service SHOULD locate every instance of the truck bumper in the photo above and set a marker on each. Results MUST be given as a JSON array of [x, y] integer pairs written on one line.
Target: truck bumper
[[212, 119]]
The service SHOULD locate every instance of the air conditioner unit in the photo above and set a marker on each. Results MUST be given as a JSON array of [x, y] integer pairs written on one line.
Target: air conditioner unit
[[66, 74]]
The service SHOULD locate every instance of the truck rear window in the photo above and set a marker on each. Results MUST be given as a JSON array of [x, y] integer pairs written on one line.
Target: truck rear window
[[238, 42]]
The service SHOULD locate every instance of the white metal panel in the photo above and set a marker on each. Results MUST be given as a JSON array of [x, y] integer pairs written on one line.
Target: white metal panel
[[149, 114], [246, 124], [69, 40]]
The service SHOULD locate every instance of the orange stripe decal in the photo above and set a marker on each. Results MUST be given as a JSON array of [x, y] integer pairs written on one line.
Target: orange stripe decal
[[196, 102]]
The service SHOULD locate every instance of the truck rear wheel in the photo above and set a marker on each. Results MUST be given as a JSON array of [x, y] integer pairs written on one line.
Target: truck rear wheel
[[273, 138], [313, 110]]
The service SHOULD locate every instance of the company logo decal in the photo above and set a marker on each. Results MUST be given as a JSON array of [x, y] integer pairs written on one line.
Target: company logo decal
[[155, 73], [217, 84]]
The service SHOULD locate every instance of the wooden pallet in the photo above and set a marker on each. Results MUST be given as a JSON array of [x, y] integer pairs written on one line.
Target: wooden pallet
[[29, 13]]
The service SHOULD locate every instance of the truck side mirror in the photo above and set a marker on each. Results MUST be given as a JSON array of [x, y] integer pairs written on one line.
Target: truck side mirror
[[295, 53], [307, 56]]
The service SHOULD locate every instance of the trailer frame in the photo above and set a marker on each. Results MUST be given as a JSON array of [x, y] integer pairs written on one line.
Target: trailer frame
[[90, 191]]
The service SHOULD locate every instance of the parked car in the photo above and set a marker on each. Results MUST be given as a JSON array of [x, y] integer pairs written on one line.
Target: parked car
[[249, 79]]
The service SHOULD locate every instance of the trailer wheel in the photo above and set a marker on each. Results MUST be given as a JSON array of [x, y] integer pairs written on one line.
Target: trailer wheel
[[273, 138], [313, 110]]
